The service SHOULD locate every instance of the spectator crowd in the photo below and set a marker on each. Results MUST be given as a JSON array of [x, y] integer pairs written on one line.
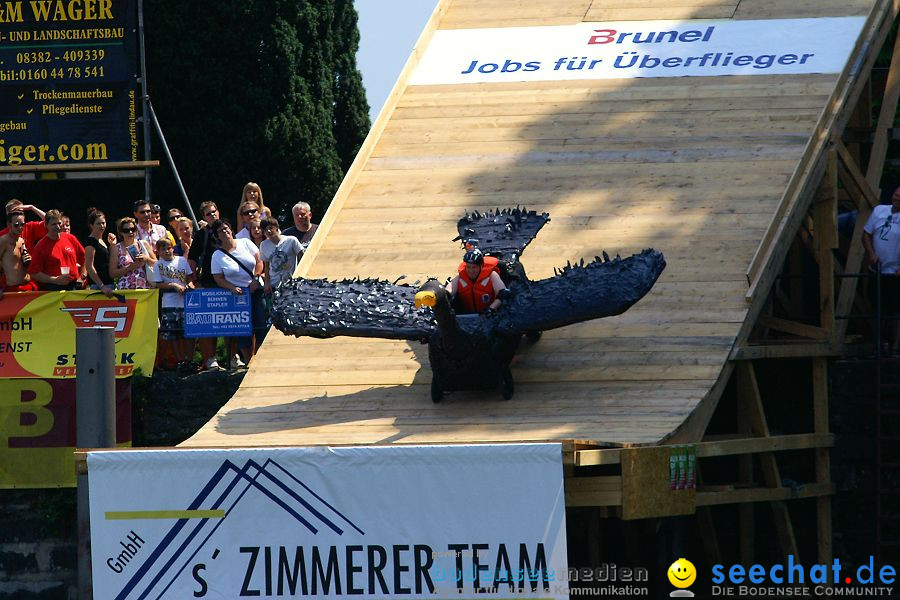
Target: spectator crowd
[[252, 256]]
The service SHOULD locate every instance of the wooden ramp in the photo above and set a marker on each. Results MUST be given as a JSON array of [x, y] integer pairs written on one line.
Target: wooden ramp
[[709, 170]]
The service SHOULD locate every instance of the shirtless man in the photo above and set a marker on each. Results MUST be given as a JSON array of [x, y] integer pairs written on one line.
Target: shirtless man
[[14, 258]]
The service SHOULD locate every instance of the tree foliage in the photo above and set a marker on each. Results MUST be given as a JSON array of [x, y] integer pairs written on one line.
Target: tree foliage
[[256, 90]]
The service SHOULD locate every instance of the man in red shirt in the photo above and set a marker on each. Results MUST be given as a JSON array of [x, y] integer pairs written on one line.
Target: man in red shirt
[[57, 262], [33, 230]]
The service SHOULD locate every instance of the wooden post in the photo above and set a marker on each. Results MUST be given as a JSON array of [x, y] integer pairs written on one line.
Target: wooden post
[[823, 458], [709, 536], [749, 396], [746, 511], [825, 240], [885, 120]]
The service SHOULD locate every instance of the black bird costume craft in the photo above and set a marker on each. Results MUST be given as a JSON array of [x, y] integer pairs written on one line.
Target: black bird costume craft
[[471, 351]]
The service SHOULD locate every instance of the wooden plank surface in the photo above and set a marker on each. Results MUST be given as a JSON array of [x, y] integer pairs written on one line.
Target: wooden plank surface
[[695, 167]]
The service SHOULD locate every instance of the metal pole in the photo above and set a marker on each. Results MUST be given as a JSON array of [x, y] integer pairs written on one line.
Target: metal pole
[[171, 162], [146, 98], [95, 427]]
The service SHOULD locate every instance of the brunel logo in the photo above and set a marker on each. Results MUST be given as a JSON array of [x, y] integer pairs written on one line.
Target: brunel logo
[[102, 313]]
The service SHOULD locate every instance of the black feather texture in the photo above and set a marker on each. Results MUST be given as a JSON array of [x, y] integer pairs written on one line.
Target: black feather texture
[[501, 233]]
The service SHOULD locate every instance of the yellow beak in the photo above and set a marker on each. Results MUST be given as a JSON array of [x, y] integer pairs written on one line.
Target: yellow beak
[[425, 298]]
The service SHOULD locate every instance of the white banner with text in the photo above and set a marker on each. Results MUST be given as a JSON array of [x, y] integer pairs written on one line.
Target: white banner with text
[[482, 521], [629, 49]]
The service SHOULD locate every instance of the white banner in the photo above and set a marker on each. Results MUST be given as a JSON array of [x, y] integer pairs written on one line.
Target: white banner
[[628, 49], [366, 522]]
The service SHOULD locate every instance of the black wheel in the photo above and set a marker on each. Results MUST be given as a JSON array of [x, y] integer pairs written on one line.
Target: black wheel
[[534, 336], [437, 390], [506, 385]]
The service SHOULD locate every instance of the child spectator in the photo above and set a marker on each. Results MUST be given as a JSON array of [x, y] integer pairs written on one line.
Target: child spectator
[[172, 276], [253, 193], [279, 254], [256, 233]]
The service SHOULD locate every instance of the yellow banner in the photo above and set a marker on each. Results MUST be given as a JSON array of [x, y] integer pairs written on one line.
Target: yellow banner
[[37, 430], [37, 331]]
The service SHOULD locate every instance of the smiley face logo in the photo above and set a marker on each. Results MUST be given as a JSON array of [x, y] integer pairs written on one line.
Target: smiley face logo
[[682, 573]]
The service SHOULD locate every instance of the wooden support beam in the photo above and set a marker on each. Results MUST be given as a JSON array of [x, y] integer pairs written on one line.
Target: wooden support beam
[[852, 265], [595, 552], [712, 497], [885, 120], [581, 494], [726, 447], [795, 269], [860, 121], [746, 512], [851, 174], [825, 238], [823, 459], [593, 491], [786, 350], [708, 535], [751, 400], [794, 328]]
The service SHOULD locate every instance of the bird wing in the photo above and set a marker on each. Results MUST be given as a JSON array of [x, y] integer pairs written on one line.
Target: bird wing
[[501, 233], [580, 292], [352, 307]]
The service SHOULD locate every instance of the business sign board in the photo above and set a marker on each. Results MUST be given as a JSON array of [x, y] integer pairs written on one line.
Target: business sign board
[[629, 49], [37, 331], [68, 82], [484, 521], [214, 312], [37, 431]]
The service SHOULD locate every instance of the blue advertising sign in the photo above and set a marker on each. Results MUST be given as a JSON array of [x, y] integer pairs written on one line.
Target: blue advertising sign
[[68, 82], [214, 312]]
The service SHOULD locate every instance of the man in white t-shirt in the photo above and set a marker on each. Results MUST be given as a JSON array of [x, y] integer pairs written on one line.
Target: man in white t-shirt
[[279, 254], [171, 275], [881, 239]]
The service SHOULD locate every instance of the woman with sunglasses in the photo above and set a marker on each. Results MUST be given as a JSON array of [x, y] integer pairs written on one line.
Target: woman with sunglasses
[[172, 228], [248, 211], [96, 253], [131, 257], [236, 266]]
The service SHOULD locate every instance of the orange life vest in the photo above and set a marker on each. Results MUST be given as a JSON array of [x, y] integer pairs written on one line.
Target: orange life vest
[[477, 296]]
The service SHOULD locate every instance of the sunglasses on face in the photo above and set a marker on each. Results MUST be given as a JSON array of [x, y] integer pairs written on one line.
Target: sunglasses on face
[[144, 212], [173, 217], [210, 213], [249, 212], [17, 225], [129, 230]]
